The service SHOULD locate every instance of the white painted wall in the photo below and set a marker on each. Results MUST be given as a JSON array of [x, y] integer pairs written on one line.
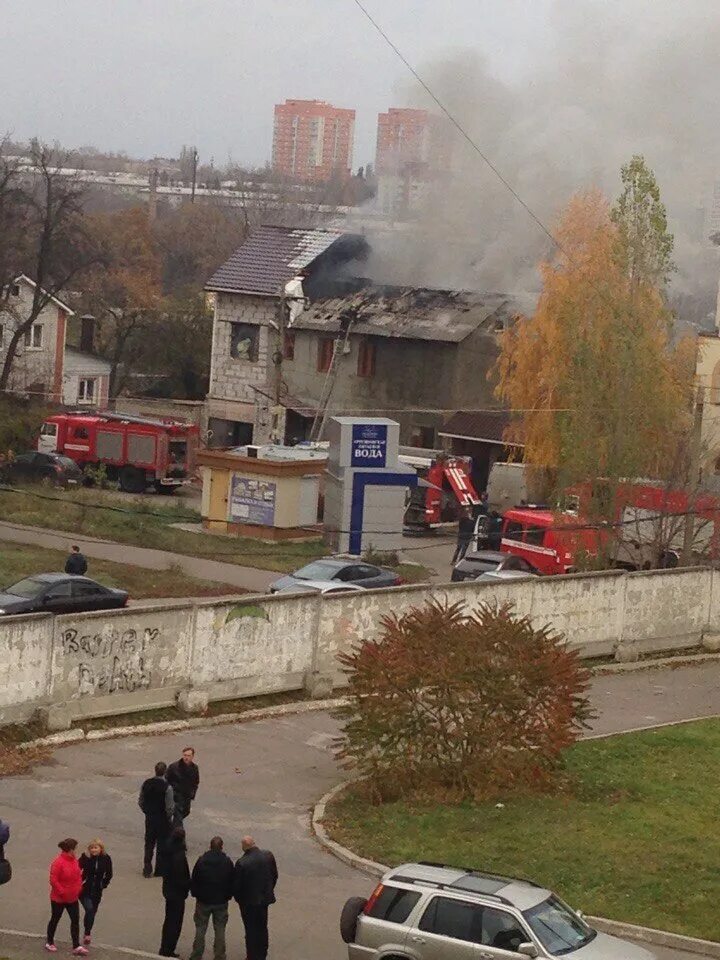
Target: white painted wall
[[120, 661]]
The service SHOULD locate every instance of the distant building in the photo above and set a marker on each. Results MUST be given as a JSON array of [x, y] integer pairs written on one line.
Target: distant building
[[312, 140], [413, 152], [46, 367]]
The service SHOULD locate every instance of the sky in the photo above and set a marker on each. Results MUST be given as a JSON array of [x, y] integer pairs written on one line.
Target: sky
[[146, 76]]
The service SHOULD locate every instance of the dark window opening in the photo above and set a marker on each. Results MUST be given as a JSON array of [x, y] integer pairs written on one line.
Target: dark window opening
[[325, 354], [289, 345], [366, 358], [244, 342]]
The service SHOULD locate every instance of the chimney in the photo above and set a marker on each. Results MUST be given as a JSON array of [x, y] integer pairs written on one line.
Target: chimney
[[87, 333]]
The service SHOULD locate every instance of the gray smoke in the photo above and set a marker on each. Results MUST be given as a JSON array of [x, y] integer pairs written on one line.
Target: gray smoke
[[620, 78]]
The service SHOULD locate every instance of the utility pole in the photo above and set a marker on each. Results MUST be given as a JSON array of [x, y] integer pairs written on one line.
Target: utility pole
[[693, 479], [194, 173], [277, 358]]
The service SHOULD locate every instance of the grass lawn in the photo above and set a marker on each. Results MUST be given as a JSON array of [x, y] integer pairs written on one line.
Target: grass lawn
[[635, 839], [147, 522], [17, 561]]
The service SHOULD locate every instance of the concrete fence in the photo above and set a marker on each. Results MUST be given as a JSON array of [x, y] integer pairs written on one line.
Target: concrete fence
[[97, 664]]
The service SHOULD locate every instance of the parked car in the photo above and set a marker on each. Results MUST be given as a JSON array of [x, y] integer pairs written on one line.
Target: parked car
[[476, 564], [425, 911], [321, 586], [59, 593], [51, 468], [339, 570]]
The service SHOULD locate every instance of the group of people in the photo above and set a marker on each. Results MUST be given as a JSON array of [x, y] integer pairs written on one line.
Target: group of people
[[166, 800]]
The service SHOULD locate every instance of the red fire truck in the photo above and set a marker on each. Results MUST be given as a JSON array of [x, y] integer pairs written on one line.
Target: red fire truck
[[648, 530], [445, 486], [135, 451]]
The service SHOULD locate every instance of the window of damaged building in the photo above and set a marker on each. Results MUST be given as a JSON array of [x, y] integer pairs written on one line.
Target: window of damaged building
[[244, 341], [366, 358], [289, 345], [325, 354]]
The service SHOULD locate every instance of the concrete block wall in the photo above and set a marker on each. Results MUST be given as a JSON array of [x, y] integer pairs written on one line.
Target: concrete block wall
[[99, 664], [234, 379]]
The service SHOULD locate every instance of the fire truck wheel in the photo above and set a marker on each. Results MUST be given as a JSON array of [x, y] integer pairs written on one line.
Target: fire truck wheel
[[132, 480]]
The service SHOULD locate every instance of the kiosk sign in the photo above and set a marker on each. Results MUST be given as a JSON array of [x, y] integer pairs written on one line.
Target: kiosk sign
[[369, 445]]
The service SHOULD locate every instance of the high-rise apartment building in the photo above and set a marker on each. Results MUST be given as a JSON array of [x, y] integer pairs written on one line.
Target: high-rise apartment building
[[312, 140], [411, 137], [413, 152]]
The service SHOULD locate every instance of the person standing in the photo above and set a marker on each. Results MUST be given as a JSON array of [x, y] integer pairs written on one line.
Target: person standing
[[466, 531], [211, 884], [157, 802], [175, 889], [76, 564], [254, 890], [65, 887], [184, 777], [97, 871]]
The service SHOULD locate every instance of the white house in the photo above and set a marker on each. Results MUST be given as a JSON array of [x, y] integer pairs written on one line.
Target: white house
[[45, 367]]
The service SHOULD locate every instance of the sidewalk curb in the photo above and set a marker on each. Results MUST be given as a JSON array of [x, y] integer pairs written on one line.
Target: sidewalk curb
[[194, 723], [102, 946], [656, 938]]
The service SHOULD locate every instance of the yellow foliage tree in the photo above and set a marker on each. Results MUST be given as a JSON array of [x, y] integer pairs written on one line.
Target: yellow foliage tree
[[605, 392]]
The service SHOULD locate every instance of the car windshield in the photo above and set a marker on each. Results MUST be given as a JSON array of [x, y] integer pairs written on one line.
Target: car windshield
[[557, 927], [28, 588], [316, 571], [481, 562], [66, 462]]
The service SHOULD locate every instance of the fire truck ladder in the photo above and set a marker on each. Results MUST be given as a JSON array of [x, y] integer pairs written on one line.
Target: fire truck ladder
[[339, 349]]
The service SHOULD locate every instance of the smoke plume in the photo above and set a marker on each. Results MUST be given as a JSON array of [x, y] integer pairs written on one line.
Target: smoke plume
[[619, 78]]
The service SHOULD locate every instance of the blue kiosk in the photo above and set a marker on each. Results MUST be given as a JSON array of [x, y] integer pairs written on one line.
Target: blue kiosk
[[365, 485]]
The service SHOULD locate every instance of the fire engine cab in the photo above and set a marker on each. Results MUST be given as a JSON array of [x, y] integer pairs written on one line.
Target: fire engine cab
[[135, 451]]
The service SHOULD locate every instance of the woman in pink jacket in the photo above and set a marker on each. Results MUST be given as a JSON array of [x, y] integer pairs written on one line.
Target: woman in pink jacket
[[65, 887]]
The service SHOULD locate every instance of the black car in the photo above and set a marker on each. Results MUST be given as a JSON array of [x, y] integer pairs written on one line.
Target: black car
[[476, 563], [59, 593], [51, 468]]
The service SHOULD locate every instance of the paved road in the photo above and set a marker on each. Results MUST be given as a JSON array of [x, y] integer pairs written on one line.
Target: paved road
[[247, 578], [261, 777]]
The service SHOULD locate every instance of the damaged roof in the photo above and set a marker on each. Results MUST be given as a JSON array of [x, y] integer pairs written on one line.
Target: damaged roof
[[270, 257], [416, 313], [488, 425]]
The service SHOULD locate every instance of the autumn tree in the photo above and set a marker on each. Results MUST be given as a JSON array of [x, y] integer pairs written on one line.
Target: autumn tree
[[124, 291], [604, 392], [44, 234], [183, 326], [451, 703], [645, 244]]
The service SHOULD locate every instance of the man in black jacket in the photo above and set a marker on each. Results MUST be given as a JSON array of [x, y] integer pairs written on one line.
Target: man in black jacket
[[157, 802], [184, 777], [76, 564], [254, 890], [175, 889], [212, 886]]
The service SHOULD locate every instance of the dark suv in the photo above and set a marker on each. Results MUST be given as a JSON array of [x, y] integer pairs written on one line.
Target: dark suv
[[51, 468]]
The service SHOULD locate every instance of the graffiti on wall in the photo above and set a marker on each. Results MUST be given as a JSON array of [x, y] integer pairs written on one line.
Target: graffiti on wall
[[111, 661]]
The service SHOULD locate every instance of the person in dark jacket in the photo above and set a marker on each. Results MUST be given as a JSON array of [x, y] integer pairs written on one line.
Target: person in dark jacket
[[212, 885], [184, 777], [76, 563], [157, 802], [466, 531], [97, 871], [254, 890], [175, 890]]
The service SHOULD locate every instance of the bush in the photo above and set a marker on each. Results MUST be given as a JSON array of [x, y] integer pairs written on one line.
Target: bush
[[20, 422], [450, 704]]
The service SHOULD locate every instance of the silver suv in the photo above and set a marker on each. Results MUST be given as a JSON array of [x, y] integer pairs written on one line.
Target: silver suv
[[429, 911]]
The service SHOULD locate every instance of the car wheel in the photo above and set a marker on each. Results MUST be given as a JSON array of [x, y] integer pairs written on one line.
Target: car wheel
[[349, 918]]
